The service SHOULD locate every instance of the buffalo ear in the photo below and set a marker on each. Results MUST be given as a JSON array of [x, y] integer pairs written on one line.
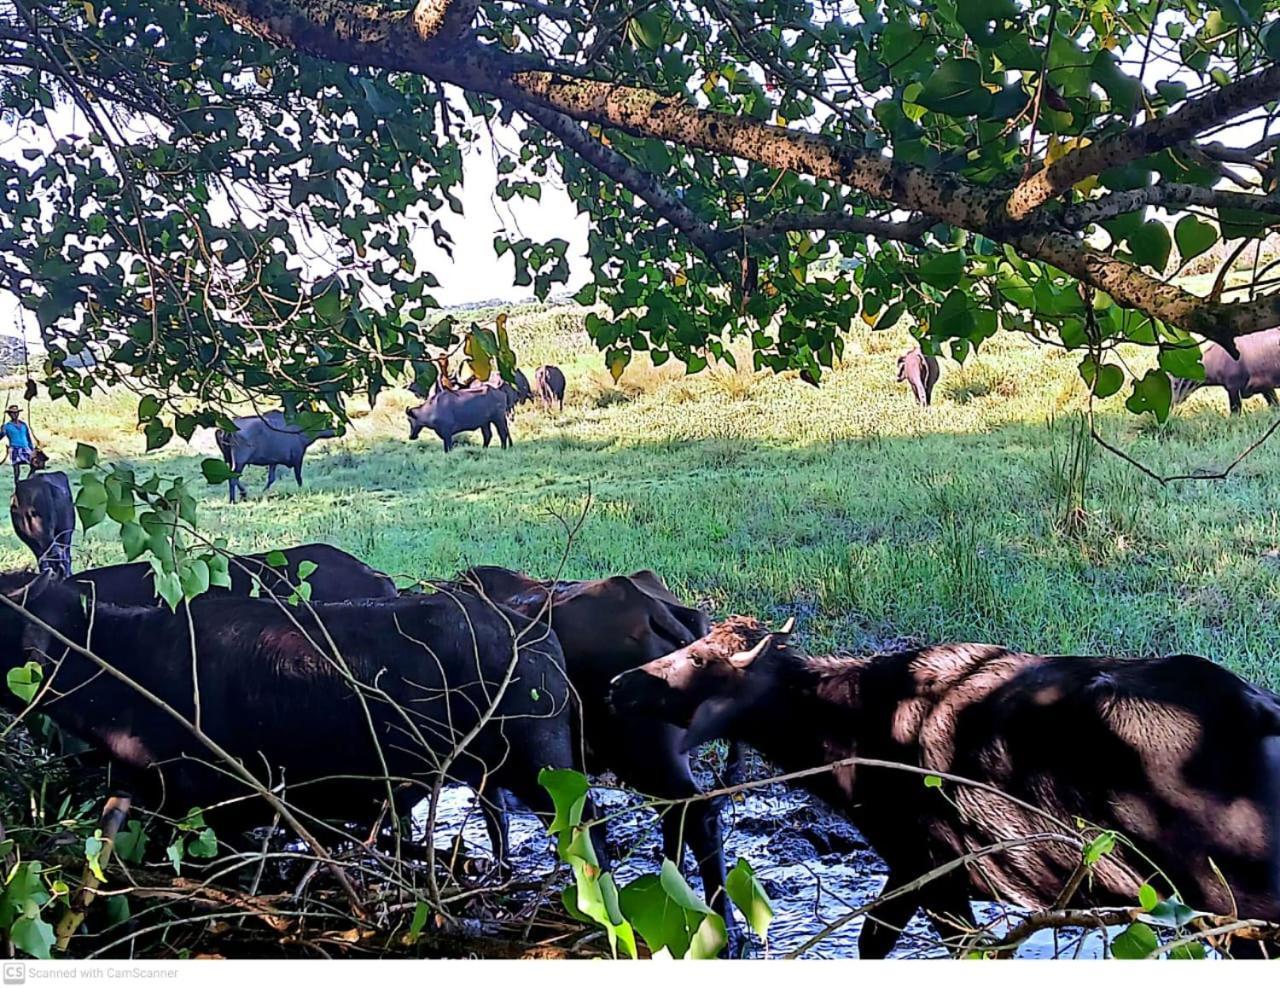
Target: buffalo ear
[[711, 720]]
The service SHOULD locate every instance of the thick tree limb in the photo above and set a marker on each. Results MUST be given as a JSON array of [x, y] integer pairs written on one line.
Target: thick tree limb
[[1192, 118], [1169, 195], [911, 231], [338, 32]]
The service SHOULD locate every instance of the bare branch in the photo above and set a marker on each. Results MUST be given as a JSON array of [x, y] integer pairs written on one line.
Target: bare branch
[[1169, 195]]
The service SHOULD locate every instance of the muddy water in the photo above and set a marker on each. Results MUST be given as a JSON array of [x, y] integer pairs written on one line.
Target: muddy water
[[815, 866]]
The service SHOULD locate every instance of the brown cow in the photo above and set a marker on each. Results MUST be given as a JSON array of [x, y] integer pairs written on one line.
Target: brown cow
[[1177, 754]]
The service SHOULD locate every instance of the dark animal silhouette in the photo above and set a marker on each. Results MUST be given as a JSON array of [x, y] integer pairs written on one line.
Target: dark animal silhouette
[[265, 441], [1256, 372], [338, 576], [920, 371], [549, 381], [1177, 754], [447, 413], [44, 518], [343, 703], [605, 627]]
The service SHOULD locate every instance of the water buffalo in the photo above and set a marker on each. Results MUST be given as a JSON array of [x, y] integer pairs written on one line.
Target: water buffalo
[[606, 627], [920, 371], [549, 380], [338, 576], [340, 704], [446, 413], [45, 519], [1177, 754], [1256, 372], [265, 441]]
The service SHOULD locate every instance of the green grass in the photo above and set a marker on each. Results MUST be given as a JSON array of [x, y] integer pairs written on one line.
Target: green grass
[[869, 519]]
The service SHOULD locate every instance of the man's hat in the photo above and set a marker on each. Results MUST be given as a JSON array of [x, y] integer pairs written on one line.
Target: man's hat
[[13, 408]]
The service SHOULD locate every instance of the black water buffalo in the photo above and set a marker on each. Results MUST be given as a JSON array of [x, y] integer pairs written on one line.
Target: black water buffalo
[[339, 705], [265, 441], [447, 413], [338, 576], [920, 371], [1256, 372], [1177, 754], [606, 627], [549, 381], [44, 517]]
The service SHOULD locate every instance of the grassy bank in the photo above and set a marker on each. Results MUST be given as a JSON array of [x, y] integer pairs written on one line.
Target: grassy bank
[[869, 519]]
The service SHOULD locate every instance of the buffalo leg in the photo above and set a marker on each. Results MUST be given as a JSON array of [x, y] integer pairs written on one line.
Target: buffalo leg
[[1233, 402], [885, 921], [271, 477], [297, 472], [504, 432], [487, 433], [493, 807], [1270, 395]]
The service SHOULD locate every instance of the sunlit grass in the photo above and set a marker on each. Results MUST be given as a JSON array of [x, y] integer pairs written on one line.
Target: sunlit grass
[[868, 518]]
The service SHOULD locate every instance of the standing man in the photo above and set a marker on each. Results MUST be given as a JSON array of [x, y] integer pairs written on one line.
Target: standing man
[[21, 440]]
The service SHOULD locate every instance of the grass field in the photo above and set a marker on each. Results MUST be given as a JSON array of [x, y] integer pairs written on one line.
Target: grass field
[[870, 520]]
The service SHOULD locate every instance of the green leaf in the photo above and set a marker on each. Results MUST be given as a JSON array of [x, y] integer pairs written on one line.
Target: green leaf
[[169, 589], [1138, 941], [1171, 912], [219, 570], [943, 270], [157, 433], [131, 843], [1153, 393], [568, 790], [955, 89], [91, 502], [148, 408], [1151, 245], [277, 559], [1104, 381], [933, 782], [33, 936], [1182, 361], [174, 854], [1147, 897], [1193, 237], [193, 574], [421, 913], [1241, 223], [204, 845], [24, 680], [305, 568], [86, 457], [746, 892], [216, 471], [1099, 847]]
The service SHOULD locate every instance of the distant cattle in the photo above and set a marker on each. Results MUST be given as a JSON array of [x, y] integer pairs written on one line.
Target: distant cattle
[[920, 371], [44, 518], [336, 706], [606, 627], [337, 576], [1176, 754], [265, 441], [1255, 372], [549, 381], [448, 413]]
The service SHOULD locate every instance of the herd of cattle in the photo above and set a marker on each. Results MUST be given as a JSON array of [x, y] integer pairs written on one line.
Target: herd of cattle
[[369, 698]]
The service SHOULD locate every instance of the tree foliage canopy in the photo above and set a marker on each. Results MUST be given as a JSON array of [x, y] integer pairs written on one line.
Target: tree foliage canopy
[[239, 214]]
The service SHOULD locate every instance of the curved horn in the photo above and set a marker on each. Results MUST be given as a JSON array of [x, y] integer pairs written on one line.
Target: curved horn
[[743, 659], [788, 626]]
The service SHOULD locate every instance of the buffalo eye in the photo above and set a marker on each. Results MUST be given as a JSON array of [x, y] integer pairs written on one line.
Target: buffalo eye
[[698, 661]]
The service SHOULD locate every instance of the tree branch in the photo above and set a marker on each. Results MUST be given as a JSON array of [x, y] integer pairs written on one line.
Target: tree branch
[[911, 231], [1183, 124], [1167, 194]]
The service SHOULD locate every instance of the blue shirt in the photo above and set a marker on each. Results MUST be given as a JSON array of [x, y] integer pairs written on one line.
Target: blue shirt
[[18, 435]]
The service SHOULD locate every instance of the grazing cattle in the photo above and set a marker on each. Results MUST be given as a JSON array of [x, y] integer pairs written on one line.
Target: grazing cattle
[[338, 705], [447, 413], [605, 627], [45, 519], [920, 371], [1177, 754], [338, 576], [265, 441], [1255, 372], [549, 380]]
